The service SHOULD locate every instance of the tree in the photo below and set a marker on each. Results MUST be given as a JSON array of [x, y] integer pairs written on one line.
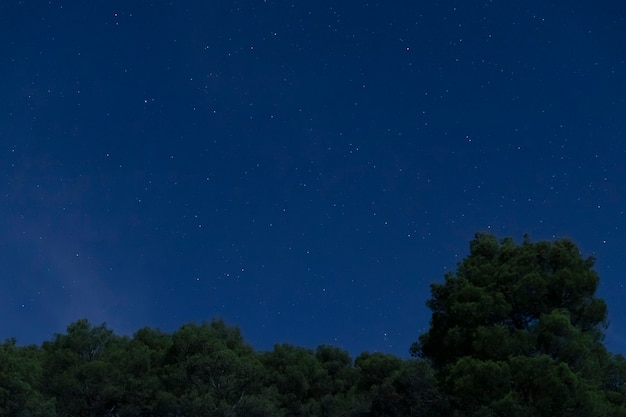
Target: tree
[[390, 386], [20, 382], [78, 371], [140, 373], [518, 328], [293, 372], [334, 388], [212, 371]]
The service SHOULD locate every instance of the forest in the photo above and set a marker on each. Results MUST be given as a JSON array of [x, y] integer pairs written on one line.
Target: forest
[[516, 330]]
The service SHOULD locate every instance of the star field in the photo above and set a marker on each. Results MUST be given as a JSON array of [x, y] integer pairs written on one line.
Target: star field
[[303, 171]]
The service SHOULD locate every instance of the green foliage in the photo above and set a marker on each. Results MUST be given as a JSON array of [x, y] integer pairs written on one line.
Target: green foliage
[[77, 372], [140, 373], [212, 371], [292, 372], [20, 382], [517, 330], [392, 387], [375, 367]]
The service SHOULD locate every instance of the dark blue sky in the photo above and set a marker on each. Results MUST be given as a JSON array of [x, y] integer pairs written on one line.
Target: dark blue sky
[[303, 170]]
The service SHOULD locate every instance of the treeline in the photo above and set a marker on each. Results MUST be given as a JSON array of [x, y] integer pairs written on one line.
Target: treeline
[[203, 370], [516, 331]]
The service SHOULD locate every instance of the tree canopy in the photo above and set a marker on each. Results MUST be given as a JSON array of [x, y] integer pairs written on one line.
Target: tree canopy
[[516, 330], [518, 327]]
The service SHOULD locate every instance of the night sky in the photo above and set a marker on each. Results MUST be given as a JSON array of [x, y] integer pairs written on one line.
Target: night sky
[[303, 170]]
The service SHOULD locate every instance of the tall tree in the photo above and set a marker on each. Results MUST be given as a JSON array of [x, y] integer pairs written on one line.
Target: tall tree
[[212, 371], [78, 371], [519, 328]]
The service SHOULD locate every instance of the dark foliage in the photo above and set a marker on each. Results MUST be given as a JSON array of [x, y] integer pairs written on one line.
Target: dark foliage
[[515, 331]]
